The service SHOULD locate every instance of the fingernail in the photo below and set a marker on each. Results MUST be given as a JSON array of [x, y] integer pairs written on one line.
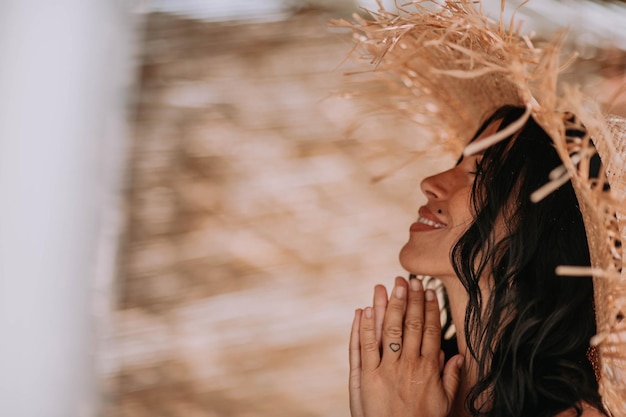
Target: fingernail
[[368, 312], [416, 284], [459, 362], [399, 292], [430, 295]]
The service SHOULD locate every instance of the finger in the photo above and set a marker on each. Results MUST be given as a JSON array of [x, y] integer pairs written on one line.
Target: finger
[[380, 306], [414, 320], [393, 322], [431, 339], [354, 384], [355, 346], [452, 376], [370, 354]]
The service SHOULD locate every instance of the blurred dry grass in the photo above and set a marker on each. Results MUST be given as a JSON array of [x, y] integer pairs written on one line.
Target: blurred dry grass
[[253, 227]]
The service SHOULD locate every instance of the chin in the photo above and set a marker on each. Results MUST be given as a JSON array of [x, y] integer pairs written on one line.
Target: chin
[[413, 260], [406, 260], [421, 261]]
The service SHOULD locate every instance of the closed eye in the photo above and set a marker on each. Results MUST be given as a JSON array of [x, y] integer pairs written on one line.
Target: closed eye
[[478, 169]]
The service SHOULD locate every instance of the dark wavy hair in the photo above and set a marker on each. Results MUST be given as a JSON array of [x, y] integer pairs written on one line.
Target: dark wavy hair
[[530, 337]]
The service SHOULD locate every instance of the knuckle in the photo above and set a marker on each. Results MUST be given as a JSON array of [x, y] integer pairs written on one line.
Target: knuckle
[[370, 346], [396, 305], [432, 330], [368, 327], [393, 331], [432, 308], [414, 325], [416, 298]]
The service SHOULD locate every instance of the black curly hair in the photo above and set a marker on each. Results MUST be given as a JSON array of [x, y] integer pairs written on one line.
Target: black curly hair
[[530, 337]]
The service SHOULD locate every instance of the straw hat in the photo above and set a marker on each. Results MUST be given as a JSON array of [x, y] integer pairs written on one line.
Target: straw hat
[[447, 67]]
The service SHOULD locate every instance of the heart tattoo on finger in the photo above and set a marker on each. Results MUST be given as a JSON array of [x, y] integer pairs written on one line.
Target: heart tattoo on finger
[[394, 346]]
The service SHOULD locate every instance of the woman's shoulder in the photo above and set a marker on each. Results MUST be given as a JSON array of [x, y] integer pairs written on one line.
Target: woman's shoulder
[[588, 411]]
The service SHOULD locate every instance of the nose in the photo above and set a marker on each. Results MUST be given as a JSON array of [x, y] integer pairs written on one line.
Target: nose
[[434, 187]]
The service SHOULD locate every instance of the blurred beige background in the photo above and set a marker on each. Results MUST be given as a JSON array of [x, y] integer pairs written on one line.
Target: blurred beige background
[[254, 229]]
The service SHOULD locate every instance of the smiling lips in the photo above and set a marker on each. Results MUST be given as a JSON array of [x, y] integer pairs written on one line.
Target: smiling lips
[[426, 221]]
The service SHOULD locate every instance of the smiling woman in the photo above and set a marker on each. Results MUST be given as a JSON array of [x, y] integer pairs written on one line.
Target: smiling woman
[[523, 332]]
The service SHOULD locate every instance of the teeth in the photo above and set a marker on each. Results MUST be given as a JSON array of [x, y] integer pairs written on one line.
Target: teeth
[[430, 223]]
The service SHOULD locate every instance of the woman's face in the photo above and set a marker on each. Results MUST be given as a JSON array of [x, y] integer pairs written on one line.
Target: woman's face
[[444, 218], [441, 222]]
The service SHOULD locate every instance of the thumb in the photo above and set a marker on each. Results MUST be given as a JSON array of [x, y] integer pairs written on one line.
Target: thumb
[[452, 375]]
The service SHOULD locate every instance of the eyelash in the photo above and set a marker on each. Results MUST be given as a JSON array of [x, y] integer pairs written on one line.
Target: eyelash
[[477, 169]]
